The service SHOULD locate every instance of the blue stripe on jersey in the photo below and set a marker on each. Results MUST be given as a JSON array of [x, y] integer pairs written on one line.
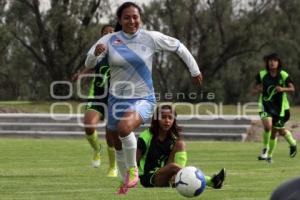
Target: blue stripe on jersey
[[133, 59]]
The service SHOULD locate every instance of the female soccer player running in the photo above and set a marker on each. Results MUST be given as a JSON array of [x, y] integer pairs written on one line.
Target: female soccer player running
[[273, 83], [95, 111], [161, 152], [131, 100]]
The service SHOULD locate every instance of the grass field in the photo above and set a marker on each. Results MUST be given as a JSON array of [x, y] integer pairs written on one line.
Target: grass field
[[60, 169]]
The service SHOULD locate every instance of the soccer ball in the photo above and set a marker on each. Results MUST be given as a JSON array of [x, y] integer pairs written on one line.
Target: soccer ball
[[190, 182]]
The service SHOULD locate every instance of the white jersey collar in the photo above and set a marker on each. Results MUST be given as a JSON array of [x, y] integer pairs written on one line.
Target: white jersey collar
[[130, 36]]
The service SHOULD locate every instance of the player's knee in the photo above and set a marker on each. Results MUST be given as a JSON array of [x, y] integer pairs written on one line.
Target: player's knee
[[179, 145], [124, 129], [90, 124], [89, 127]]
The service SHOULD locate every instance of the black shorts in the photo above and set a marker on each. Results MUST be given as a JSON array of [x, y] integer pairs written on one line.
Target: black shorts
[[277, 121], [147, 179], [99, 105]]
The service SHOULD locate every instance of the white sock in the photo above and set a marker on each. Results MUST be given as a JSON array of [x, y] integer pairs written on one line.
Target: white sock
[[129, 145], [121, 164]]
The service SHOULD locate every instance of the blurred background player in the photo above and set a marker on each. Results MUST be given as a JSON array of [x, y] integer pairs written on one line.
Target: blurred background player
[[273, 84], [161, 152], [97, 100]]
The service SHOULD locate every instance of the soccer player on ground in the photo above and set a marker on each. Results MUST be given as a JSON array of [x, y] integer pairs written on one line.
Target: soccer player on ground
[[161, 152], [131, 100], [98, 95], [273, 84]]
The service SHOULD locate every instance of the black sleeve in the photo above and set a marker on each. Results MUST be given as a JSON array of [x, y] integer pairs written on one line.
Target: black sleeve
[[257, 79], [141, 145]]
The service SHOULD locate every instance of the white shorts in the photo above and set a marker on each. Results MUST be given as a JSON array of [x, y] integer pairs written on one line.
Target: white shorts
[[117, 107]]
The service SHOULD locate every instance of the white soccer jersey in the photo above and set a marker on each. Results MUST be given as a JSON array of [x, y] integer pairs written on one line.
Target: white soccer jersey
[[130, 60]]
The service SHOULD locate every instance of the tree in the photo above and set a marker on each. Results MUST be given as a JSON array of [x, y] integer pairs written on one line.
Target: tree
[[227, 40], [55, 39], [7, 86]]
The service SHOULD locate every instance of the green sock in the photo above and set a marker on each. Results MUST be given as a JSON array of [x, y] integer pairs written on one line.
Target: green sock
[[180, 158], [208, 181], [273, 143], [111, 157], [289, 138], [266, 139], [94, 142]]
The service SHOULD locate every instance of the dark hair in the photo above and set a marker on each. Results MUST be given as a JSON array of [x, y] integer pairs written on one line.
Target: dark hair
[[118, 26], [104, 27], [174, 131], [272, 56]]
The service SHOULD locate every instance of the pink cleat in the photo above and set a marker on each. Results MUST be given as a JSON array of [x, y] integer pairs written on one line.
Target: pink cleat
[[123, 189], [131, 181], [132, 177]]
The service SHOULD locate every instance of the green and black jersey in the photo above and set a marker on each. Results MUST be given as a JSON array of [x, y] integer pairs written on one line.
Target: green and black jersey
[[155, 153], [270, 101], [100, 82], [98, 91]]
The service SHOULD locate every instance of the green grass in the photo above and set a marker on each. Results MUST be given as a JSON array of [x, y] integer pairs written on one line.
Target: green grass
[[60, 169], [42, 106]]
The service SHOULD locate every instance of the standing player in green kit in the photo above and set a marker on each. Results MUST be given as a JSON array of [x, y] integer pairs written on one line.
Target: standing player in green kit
[[273, 84], [97, 100]]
